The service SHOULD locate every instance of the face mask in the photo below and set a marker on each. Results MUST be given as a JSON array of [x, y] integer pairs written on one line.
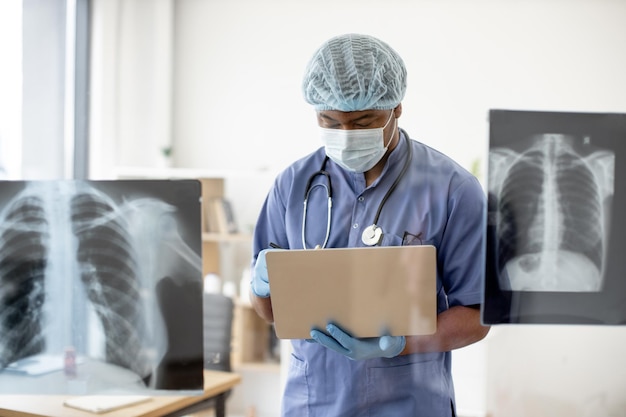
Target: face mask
[[356, 150]]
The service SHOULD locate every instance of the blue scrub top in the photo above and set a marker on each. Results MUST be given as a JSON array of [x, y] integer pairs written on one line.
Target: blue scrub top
[[436, 202]]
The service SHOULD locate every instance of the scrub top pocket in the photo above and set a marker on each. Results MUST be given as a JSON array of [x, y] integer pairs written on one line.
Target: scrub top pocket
[[417, 389], [296, 396]]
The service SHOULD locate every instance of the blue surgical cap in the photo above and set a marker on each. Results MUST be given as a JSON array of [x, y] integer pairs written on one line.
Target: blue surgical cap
[[354, 72]]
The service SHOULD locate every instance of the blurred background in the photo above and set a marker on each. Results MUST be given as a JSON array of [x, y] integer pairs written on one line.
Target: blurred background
[[103, 89]]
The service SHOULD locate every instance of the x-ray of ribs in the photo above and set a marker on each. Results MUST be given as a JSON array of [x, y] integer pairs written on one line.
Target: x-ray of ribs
[[552, 214], [61, 241], [109, 272], [24, 240]]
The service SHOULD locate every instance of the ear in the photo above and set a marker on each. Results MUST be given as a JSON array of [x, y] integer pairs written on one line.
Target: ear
[[398, 111]]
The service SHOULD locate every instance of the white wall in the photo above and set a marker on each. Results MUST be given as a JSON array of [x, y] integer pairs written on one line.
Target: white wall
[[237, 109], [554, 371], [239, 66]]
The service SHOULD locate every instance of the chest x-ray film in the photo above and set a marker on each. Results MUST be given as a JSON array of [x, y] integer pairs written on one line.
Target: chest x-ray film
[[100, 287], [555, 223]]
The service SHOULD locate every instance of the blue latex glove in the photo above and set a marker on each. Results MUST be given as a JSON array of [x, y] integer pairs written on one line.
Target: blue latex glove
[[353, 348], [260, 281]]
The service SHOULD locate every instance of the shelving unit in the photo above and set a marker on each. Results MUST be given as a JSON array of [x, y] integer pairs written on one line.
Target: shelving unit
[[213, 188], [251, 335]]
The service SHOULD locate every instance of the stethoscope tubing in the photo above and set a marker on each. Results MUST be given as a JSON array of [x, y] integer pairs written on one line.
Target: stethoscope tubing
[[374, 229], [329, 206], [405, 167]]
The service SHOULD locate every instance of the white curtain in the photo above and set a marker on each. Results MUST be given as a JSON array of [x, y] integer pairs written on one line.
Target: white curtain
[[131, 84]]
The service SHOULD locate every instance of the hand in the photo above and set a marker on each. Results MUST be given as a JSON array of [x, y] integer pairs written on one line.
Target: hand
[[260, 281], [353, 348]]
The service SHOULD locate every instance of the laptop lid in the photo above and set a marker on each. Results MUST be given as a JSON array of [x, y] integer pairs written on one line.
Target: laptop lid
[[367, 291]]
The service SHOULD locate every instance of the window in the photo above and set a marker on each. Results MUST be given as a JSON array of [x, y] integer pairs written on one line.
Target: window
[[40, 132]]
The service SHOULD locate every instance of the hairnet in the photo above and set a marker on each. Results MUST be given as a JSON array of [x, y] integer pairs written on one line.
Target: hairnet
[[354, 72]]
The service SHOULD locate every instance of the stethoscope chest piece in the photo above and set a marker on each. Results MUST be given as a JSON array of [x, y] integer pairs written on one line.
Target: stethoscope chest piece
[[371, 235]]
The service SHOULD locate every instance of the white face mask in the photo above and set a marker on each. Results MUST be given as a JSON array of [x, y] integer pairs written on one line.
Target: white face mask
[[356, 150]]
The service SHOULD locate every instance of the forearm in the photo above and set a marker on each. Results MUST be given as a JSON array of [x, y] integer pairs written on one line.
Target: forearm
[[456, 328], [263, 307]]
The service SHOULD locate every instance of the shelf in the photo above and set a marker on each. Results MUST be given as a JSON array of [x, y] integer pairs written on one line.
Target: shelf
[[257, 367], [180, 173], [226, 237]]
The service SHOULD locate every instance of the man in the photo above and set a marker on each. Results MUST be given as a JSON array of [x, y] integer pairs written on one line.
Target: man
[[356, 84]]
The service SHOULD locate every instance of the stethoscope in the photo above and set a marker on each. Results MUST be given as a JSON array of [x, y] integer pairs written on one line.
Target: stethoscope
[[372, 235]]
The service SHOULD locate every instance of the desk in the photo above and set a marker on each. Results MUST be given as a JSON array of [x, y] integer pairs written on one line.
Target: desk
[[215, 385]]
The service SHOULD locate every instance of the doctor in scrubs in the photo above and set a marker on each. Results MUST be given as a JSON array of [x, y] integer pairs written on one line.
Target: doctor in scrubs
[[414, 194]]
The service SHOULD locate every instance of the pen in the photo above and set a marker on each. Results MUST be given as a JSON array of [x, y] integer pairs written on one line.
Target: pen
[[275, 246]]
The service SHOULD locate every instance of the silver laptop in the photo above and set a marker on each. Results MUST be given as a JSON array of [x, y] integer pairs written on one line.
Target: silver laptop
[[366, 291]]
